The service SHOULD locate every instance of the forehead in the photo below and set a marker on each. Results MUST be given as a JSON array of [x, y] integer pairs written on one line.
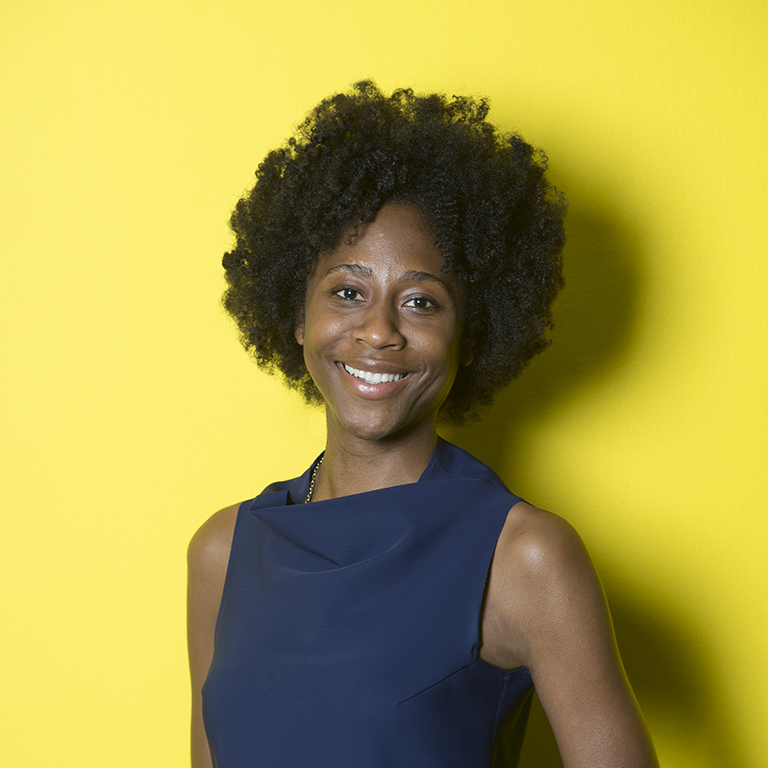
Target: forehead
[[399, 238]]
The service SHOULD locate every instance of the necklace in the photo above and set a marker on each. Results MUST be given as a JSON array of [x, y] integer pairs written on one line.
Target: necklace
[[312, 480]]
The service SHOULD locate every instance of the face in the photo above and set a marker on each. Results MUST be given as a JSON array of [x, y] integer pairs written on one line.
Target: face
[[382, 329]]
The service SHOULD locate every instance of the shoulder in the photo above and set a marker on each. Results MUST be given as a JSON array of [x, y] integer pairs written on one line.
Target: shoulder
[[208, 558], [542, 587], [541, 546], [208, 551], [548, 612]]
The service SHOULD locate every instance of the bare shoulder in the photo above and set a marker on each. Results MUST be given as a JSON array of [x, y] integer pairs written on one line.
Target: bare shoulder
[[546, 610], [208, 557], [540, 584], [541, 548], [208, 551]]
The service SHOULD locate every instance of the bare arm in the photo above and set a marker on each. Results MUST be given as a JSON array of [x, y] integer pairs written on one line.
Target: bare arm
[[545, 609], [207, 559]]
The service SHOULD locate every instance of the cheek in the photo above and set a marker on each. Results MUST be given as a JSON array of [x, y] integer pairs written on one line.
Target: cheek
[[320, 339], [314, 367], [444, 356]]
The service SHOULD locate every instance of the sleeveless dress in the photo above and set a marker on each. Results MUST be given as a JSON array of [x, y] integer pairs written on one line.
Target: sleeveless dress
[[348, 631]]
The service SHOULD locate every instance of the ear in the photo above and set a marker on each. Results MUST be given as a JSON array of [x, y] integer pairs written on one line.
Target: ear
[[298, 331]]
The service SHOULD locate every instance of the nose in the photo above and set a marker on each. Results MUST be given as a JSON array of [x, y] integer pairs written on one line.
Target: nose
[[379, 327]]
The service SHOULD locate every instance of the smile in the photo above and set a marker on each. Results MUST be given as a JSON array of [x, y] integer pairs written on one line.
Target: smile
[[372, 378]]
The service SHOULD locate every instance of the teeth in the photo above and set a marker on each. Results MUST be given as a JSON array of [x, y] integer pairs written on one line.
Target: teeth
[[373, 378]]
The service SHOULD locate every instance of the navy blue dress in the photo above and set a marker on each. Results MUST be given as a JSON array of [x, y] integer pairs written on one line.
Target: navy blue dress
[[348, 631]]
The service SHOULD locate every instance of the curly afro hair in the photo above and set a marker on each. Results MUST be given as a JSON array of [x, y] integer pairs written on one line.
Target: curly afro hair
[[497, 221]]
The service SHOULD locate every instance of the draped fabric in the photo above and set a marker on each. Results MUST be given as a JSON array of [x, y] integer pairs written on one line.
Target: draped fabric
[[348, 632]]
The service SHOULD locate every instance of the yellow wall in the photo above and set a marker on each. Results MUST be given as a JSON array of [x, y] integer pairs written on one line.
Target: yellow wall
[[128, 131]]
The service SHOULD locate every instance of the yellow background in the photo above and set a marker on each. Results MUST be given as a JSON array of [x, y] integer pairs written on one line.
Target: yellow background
[[130, 413]]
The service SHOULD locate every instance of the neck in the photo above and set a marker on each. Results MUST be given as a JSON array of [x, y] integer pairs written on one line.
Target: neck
[[357, 466]]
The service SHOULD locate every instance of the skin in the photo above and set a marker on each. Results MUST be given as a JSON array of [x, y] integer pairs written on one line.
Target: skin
[[380, 302]]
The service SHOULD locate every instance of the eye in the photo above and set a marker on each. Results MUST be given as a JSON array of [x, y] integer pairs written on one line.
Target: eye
[[420, 302], [349, 294]]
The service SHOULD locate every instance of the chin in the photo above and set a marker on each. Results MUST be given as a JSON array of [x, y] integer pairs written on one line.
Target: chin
[[366, 425], [371, 430]]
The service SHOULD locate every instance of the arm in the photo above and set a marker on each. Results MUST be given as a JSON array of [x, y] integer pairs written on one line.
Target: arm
[[207, 558], [545, 609]]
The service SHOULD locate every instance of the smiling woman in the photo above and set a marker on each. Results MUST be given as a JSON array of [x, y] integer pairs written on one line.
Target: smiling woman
[[383, 331], [396, 604]]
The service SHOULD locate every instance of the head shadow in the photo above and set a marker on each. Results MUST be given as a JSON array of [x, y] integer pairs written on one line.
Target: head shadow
[[595, 317], [671, 667]]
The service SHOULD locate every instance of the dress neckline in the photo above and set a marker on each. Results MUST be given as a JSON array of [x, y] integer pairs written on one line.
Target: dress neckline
[[298, 492]]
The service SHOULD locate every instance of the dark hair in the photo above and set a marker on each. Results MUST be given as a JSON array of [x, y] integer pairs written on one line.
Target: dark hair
[[497, 221]]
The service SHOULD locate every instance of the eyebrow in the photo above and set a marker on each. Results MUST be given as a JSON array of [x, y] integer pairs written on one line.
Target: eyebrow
[[355, 269], [411, 276], [422, 277]]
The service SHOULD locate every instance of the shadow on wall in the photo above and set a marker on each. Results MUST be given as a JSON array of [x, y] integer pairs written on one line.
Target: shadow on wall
[[674, 672], [671, 669], [594, 321], [671, 672]]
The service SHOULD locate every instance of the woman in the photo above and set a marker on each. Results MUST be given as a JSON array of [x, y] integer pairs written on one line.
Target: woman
[[394, 606]]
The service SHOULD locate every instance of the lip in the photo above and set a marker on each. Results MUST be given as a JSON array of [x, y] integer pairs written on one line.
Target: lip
[[369, 391]]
